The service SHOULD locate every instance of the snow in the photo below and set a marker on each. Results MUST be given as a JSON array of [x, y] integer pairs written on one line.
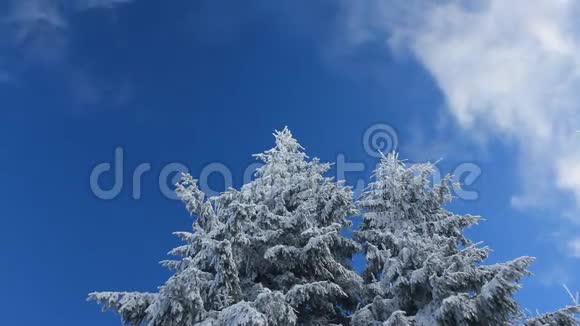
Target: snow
[[272, 253]]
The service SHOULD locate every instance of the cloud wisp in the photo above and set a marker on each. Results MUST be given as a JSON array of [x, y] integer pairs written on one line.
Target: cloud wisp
[[45, 21], [36, 34], [507, 69]]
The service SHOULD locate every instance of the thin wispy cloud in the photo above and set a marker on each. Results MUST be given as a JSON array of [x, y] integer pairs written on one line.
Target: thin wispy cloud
[[29, 15], [108, 4], [36, 34], [5, 77], [45, 20], [507, 70], [35, 12], [574, 247]]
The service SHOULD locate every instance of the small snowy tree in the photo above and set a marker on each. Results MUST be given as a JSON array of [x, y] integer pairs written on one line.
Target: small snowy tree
[[268, 254], [562, 317], [421, 269]]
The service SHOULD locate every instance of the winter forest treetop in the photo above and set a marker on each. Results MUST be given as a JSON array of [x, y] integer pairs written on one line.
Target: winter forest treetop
[[274, 253]]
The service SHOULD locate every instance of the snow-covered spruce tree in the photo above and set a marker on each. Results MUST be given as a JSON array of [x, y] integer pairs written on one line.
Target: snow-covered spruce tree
[[562, 317], [268, 254], [421, 269]]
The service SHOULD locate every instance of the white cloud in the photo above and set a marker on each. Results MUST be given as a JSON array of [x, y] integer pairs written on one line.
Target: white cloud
[[42, 25], [35, 11], [5, 77], [36, 33], [574, 246], [91, 4], [52, 13], [508, 69]]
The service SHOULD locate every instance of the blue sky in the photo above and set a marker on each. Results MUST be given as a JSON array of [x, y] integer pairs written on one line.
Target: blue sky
[[200, 82]]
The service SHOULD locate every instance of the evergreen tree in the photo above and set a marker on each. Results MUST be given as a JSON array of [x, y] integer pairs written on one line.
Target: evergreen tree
[[421, 269], [562, 317], [268, 254], [272, 253]]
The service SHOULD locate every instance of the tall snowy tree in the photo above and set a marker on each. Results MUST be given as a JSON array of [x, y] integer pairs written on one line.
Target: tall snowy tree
[[421, 269], [272, 253], [268, 254]]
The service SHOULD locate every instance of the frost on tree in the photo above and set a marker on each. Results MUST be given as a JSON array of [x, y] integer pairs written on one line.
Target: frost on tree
[[562, 317], [421, 269], [270, 253]]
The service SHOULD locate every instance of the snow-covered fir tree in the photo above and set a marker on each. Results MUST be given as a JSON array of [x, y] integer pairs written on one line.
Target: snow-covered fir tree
[[562, 317], [421, 269], [270, 253]]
